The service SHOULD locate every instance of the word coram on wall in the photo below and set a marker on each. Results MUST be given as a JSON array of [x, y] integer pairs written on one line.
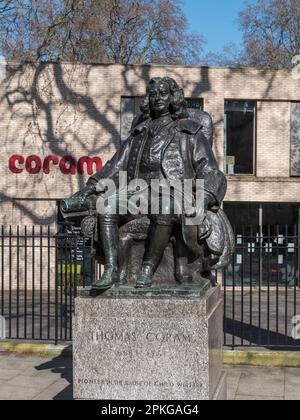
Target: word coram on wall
[[68, 165]]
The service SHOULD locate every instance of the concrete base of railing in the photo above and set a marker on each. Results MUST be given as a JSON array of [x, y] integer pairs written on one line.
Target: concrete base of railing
[[257, 357], [261, 357], [37, 349]]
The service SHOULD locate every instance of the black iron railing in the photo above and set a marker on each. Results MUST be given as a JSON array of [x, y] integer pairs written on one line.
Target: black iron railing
[[41, 273], [261, 289]]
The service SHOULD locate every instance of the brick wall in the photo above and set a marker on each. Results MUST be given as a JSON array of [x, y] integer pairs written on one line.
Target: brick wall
[[74, 110]]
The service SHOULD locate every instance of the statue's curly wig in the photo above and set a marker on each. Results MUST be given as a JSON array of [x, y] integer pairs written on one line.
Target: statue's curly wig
[[178, 108]]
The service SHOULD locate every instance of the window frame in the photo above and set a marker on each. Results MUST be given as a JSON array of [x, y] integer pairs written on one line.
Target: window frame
[[254, 173]]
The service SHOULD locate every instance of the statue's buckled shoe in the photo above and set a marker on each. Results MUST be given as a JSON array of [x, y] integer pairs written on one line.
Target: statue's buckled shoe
[[208, 275], [109, 278], [145, 278], [183, 279]]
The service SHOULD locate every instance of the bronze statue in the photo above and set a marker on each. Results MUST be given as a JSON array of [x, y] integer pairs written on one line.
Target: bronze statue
[[167, 142]]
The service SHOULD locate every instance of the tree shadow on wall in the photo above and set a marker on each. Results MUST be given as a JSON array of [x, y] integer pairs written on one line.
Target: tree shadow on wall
[[52, 86], [34, 92]]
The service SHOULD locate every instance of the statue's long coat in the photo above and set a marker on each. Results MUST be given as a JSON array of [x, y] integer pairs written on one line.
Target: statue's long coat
[[187, 154]]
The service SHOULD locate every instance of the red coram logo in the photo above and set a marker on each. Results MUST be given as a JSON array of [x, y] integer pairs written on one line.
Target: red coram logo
[[68, 165]]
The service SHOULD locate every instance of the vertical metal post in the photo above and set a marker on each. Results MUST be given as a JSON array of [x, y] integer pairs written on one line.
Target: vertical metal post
[[18, 283], [251, 285], [277, 287], [33, 283], [10, 283], [25, 282], [48, 281], [233, 296], [296, 234], [225, 307], [261, 241], [2, 270], [56, 290], [242, 283], [269, 285], [41, 282], [286, 284]]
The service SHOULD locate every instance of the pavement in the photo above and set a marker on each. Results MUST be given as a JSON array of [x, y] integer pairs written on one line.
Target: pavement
[[40, 378], [35, 378], [260, 383]]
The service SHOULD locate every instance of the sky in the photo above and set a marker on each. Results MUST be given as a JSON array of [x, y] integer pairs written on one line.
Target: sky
[[216, 20]]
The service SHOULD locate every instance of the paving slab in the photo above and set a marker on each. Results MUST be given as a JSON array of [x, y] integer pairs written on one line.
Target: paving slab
[[33, 381], [8, 374], [233, 378], [292, 384], [15, 393], [260, 381], [292, 397], [35, 378], [60, 390], [257, 398]]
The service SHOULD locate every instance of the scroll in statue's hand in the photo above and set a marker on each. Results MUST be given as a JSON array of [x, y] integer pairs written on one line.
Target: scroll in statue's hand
[[81, 196]]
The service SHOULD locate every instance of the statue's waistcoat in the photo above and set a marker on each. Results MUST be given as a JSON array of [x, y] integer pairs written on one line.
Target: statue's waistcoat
[[156, 154]]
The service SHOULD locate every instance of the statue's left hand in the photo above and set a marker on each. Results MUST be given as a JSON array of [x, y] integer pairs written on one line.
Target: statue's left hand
[[209, 202], [193, 212], [190, 212]]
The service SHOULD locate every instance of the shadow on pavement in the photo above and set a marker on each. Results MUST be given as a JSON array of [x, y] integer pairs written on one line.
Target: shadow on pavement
[[259, 337], [62, 366]]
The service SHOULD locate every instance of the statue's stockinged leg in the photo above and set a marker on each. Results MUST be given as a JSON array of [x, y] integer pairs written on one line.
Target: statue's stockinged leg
[[181, 258], [159, 237], [109, 235], [125, 253]]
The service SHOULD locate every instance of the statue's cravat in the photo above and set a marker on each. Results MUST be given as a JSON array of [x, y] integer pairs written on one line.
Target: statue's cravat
[[159, 123]]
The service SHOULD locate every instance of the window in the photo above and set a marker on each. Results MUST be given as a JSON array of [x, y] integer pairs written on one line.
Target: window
[[240, 137], [193, 103], [130, 108]]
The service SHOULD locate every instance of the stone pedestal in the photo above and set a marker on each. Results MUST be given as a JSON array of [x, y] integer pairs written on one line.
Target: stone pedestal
[[149, 345]]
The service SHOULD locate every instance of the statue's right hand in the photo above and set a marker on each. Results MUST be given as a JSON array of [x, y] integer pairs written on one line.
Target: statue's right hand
[[81, 196]]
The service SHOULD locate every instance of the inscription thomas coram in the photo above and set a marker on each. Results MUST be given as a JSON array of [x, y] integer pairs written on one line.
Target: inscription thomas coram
[[148, 336]]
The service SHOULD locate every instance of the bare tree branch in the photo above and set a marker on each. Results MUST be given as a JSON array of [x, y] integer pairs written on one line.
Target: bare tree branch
[[118, 31], [271, 33]]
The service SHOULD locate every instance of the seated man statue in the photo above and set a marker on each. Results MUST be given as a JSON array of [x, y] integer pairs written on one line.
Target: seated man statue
[[166, 145]]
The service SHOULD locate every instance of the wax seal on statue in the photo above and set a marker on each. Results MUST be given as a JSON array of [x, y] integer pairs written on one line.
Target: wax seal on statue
[[88, 225]]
